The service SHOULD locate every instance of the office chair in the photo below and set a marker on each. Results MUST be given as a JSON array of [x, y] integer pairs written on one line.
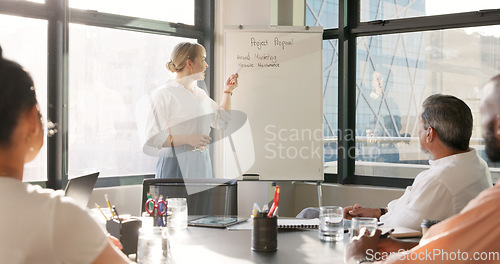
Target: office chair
[[204, 196]]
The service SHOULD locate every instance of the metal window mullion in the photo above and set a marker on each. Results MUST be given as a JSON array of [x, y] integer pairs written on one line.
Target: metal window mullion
[[205, 22], [99, 19], [331, 33], [57, 81], [348, 18]]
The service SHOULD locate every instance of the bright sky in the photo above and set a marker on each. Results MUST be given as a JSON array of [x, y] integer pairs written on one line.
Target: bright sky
[[178, 11], [438, 7]]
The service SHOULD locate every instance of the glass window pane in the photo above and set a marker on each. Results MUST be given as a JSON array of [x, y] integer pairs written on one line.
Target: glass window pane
[[395, 73], [330, 103], [109, 71], [24, 40], [165, 10], [389, 9], [323, 13]]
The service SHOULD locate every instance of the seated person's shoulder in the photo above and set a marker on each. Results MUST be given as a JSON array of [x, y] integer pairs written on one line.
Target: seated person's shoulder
[[462, 172], [48, 197]]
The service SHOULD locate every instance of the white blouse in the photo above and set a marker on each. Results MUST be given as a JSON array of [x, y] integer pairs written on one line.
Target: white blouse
[[174, 109]]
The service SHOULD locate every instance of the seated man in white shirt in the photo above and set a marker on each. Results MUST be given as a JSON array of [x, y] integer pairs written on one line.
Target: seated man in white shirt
[[456, 174]]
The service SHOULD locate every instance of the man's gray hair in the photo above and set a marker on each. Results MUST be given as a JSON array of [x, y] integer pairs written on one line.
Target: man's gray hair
[[451, 118]]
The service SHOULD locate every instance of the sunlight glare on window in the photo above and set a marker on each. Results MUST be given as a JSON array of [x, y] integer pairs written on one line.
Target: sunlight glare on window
[[165, 10]]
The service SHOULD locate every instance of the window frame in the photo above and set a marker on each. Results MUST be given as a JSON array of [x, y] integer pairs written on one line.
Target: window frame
[[59, 15], [350, 28]]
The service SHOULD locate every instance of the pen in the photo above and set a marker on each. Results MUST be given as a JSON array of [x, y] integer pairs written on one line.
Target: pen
[[100, 210], [275, 201], [275, 211], [109, 205], [265, 209], [386, 234], [116, 213]]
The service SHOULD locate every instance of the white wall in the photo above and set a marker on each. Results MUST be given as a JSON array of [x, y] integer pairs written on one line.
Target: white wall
[[306, 195], [127, 199]]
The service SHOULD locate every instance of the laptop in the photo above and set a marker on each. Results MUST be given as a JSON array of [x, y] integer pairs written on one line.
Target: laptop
[[81, 188]]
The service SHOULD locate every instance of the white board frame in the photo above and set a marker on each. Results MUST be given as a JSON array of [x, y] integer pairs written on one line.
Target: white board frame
[[283, 99]]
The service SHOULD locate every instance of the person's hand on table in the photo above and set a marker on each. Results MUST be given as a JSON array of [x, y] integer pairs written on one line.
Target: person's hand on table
[[358, 211], [362, 246]]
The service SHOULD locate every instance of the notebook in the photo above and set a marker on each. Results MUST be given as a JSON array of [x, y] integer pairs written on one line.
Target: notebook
[[81, 188], [286, 223]]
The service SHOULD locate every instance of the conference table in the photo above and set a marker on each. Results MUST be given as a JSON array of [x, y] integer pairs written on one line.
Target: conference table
[[218, 245]]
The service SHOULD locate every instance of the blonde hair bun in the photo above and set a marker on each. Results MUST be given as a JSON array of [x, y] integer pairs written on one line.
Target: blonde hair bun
[[171, 66]]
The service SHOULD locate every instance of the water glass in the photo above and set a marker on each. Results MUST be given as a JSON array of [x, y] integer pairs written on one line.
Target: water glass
[[152, 245], [357, 223], [177, 213], [331, 223]]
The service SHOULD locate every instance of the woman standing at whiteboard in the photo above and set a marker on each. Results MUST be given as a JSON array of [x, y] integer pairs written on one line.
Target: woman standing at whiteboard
[[181, 115]]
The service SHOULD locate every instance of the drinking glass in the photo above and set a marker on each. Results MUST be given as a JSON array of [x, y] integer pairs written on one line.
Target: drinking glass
[[331, 223], [357, 223], [152, 245], [177, 213]]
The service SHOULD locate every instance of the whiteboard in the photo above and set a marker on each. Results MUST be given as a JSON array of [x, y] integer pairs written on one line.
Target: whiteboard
[[280, 91]]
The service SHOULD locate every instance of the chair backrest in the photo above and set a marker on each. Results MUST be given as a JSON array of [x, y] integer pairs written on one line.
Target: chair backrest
[[204, 196]]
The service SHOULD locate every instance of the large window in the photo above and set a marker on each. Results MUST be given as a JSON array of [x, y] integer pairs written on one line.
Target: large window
[[165, 10], [390, 9], [322, 13], [99, 59], [25, 40], [325, 14], [110, 71], [396, 72], [330, 104]]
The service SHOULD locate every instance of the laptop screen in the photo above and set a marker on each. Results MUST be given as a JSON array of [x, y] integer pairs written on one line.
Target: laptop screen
[[81, 188]]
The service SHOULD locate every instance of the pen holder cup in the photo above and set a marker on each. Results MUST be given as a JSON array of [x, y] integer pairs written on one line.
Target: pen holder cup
[[265, 234], [127, 231]]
